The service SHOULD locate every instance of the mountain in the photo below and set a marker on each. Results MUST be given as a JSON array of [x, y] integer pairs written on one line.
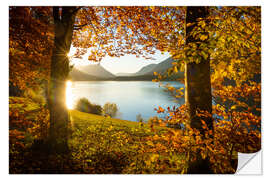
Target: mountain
[[77, 75], [145, 70], [161, 67], [96, 70]]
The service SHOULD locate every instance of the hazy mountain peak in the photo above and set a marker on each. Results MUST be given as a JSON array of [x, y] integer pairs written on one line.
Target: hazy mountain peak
[[146, 69], [96, 70], [77, 75]]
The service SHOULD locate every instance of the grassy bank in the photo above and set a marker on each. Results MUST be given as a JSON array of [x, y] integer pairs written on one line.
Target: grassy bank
[[108, 145], [83, 120], [98, 144]]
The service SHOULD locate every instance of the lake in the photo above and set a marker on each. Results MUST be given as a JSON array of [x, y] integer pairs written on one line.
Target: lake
[[132, 97]]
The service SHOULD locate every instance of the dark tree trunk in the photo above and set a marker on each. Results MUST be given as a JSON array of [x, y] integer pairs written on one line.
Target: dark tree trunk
[[63, 29], [198, 88]]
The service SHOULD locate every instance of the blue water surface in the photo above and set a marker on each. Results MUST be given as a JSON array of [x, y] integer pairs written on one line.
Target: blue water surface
[[131, 97]]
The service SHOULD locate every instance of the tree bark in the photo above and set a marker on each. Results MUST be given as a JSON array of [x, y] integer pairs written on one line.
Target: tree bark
[[197, 88], [63, 30]]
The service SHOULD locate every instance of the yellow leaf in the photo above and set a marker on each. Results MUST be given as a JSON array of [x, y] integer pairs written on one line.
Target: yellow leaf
[[203, 24], [150, 143], [203, 37], [175, 69], [189, 24], [154, 157], [183, 171], [203, 155], [204, 55]]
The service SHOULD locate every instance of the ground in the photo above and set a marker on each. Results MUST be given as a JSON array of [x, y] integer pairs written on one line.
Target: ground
[[98, 145]]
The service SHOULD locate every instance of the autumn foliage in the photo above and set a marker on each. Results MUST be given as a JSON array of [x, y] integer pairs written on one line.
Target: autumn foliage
[[230, 37], [30, 46], [237, 128]]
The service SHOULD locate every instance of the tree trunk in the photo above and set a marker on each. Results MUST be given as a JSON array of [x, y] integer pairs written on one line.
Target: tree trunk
[[59, 72], [198, 89]]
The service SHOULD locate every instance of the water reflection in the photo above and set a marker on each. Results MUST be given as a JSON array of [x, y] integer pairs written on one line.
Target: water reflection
[[69, 95]]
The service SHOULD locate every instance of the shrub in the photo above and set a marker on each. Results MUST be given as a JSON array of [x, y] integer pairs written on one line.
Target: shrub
[[85, 106], [139, 118], [110, 109]]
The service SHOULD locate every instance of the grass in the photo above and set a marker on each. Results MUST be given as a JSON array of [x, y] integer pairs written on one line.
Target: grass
[[83, 120], [86, 119], [109, 145], [98, 145]]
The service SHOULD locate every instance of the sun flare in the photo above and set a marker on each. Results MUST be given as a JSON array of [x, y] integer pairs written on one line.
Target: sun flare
[[69, 96]]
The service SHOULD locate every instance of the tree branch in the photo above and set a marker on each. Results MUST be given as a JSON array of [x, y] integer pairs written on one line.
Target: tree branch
[[79, 27]]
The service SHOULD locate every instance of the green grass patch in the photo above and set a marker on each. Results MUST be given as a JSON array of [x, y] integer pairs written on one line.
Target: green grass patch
[[108, 145], [83, 120]]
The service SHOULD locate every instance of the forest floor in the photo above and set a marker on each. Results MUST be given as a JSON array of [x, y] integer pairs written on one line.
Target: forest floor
[[98, 145]]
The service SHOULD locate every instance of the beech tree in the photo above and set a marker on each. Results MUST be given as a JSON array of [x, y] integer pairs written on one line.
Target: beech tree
[[223, 42], [113, 31], [64, 19], [198, 85]]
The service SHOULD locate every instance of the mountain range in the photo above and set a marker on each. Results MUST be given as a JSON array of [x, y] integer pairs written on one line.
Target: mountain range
[[77, 75], [97, 72]]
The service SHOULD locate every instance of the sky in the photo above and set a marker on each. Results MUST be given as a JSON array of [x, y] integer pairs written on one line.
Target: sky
[[124, 64]]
